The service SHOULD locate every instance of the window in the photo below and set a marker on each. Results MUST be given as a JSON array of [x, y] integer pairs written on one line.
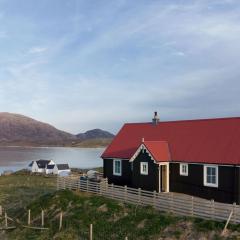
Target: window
[[211, 175], [117, 167], [183, 169], [144, 168]]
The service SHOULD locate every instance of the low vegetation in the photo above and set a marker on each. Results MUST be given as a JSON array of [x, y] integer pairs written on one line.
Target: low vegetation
[[111, 219], [19, 189], [93, 143]]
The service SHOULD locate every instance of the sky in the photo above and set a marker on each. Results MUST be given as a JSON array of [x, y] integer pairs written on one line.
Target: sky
[[84, 64]]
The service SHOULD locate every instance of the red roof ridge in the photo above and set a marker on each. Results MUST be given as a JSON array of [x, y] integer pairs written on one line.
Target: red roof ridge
[[187, 120], [155, 141]]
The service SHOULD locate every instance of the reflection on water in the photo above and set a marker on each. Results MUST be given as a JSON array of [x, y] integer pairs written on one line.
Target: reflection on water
[[15, 158]]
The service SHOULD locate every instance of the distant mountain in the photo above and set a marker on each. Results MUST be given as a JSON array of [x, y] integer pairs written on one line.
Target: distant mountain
[[16, 129], [94, 134], [19, 130]]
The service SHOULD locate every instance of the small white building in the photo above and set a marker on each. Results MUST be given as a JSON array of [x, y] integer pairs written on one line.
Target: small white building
[[40, 166], [61, 169], [49, 168]]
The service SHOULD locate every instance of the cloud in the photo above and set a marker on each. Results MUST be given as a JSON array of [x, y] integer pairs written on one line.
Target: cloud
[[37, 50], [179, 53]]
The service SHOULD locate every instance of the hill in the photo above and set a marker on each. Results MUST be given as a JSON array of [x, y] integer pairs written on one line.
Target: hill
[[16, 129], [93, 138], [93, 143], [95, 134], [19, 130]]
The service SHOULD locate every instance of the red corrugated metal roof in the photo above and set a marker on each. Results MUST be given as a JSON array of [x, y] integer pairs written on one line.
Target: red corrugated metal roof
[[158, 149], [200, 141]]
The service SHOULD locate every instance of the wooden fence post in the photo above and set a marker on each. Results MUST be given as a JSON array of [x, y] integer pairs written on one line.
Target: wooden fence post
[[60, 221], [154, 198], [60, 183], [29, 217], [212, 209], [87, 184], [192, 206], [91, 232], [72, 184], [139, 195], [79, 184], [6, 220], [125, 193], [234, 213], [112, 187], [68, 183], [171, 206], [228, 220], [106, 185], [42, 218], [64, 183], [99, 190]]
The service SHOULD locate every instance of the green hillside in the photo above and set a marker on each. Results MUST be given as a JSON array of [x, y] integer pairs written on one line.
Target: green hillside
[[111, 219], [93, 143]]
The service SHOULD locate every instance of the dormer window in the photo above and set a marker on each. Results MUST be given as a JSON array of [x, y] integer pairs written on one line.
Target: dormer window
[[144, 168]]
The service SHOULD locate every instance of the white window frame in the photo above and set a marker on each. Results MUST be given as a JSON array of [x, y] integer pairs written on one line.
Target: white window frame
[[205, 176], [114, 168], [182, 165], [142, 168]]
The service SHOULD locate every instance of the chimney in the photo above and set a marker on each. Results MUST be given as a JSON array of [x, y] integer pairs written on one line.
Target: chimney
[[155, 119]]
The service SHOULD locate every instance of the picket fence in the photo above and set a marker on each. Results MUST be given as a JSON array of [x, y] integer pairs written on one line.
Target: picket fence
[[175, 203]]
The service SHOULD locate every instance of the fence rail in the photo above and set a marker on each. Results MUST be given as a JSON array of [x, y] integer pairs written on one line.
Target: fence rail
[[179, 204]]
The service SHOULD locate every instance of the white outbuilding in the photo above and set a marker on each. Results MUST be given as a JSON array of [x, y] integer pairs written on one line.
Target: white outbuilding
[[61, 169], [40, 166]]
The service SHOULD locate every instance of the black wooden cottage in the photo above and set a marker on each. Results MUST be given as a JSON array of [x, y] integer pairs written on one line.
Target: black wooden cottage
[[196, 157]]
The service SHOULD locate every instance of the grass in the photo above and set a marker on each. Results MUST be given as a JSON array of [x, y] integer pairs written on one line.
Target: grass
[[111, 219], [207, 225], [19, 189], [93, 143]]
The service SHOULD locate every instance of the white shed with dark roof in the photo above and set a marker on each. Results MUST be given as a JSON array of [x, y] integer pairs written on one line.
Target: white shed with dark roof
[[61, 169]]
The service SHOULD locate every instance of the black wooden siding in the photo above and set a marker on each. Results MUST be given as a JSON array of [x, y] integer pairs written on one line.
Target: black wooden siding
[[134, 178], [228, 189], [146, 182], [124, 179], [193, 184]]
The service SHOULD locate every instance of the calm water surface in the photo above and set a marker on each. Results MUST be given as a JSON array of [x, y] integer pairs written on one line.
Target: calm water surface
[[15, 158]]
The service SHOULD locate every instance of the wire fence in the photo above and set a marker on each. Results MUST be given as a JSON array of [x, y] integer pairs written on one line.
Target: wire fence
[[60, 223]]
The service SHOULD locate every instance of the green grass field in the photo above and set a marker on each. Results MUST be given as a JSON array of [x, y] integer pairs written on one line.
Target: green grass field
[[18, 190], [111, 219]]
